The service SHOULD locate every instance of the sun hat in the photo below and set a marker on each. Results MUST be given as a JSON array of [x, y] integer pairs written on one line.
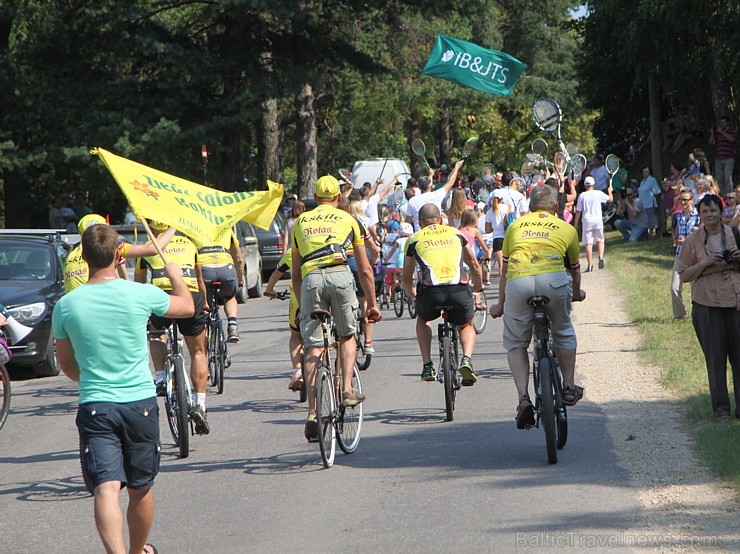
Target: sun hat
[[88, 221], [327, 187], [589, 181], [158, 225], [406, 229]]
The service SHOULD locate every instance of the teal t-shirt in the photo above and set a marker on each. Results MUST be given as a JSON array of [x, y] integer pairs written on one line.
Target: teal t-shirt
[[106, 323]]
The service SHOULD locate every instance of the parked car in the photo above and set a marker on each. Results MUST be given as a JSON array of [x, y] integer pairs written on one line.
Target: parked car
[[271, 244], [31, 283], [253, 263], [135, 234]]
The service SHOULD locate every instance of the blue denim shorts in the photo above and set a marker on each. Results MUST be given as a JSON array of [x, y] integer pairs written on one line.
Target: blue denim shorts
[[120, 442]]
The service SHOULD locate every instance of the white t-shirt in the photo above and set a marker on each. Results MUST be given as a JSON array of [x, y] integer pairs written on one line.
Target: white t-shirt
[[497, 221], [371, 210], [433, 197], [589, 204], [512, 198]]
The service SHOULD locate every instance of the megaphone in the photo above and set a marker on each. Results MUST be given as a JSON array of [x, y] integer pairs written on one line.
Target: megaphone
[[16, 330]]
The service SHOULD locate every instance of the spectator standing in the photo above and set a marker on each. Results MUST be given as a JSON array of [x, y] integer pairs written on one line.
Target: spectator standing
[[648, 192], [709, 261], [101, 341], [68, 216], [80, 207], [588, 207], [686, 222], [129, 218], [725, 139], [634, 227], [429, 196], [599, 173], [55, 215]]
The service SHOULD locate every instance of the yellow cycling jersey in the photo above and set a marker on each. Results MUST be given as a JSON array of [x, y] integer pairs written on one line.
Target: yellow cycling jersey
[[219, 253], [76, 272], [284, 265], [539, 242], [181, 251], [323, 235], [438, 250]]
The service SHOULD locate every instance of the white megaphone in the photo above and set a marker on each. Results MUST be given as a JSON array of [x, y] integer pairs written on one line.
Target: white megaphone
[[16, 330]]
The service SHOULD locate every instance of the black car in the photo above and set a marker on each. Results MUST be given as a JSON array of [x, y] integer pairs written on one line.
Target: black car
[[271, 244], [31, 282]]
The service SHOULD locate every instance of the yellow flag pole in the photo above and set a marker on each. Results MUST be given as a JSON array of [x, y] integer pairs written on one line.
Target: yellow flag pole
[[152, 238]]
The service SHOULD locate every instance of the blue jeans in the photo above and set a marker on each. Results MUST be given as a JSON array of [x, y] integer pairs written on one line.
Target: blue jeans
[[630, 232]]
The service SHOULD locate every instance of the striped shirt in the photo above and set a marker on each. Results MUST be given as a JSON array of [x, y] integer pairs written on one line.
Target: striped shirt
[[725, 148]]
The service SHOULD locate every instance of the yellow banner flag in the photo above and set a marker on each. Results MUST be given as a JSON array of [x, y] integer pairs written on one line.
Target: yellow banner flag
[[200, 212]]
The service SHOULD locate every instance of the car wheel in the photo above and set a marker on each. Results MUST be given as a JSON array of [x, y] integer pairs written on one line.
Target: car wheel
[[50, 366], [256, 290], [241, 292]]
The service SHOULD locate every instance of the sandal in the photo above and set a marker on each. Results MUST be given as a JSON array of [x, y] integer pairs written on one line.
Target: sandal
[[571, 395], [150, 549], [525, 414], [296, 380]]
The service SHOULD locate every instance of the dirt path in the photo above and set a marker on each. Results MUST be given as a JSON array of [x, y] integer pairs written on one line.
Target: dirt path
[[681, 500]]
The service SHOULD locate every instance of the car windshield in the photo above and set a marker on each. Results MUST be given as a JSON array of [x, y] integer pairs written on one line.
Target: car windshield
[[21, 261]]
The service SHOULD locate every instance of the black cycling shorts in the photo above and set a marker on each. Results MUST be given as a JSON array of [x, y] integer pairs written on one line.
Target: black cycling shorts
[[227, 275], [497, 245], [189, 326], [120, 442], [460, 297]]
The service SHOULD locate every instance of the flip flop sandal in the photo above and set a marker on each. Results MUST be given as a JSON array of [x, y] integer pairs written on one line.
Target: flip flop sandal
[[525, 414], [150, 549], [571, 395]]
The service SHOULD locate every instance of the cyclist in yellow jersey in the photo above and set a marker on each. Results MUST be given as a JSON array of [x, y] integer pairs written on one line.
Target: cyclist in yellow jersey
[[182, 252], [320, 241], [540, 254], [75, 267], [224, 262], [295, 344], [440, 251]]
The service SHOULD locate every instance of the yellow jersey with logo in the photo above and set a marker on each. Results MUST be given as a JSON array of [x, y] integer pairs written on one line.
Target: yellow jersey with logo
[[179, 250], [217, 254], [323, 235], [438, 250], [284, 265], [76, 272], [537, 243]]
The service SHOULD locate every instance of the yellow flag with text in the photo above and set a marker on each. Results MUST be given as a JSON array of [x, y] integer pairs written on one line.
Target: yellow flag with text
[[198, 211]]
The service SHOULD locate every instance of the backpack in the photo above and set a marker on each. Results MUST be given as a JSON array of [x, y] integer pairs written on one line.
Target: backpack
[[509, 219]]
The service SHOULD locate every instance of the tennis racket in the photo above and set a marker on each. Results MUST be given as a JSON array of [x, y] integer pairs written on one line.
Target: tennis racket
[[539, 148], [612, 164], [560, 163], [345, 174], [548, 116], [572, 149], [469, 146], [518, 183], [577, 166], [419, 148]]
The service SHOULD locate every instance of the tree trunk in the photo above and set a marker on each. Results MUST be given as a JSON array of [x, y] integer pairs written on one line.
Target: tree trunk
[[656, 144], [306, 149], [268, 143], [444, 138], [722, 101], [417, 164]]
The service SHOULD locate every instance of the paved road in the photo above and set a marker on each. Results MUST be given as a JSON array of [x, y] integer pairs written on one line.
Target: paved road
[[416, 483]]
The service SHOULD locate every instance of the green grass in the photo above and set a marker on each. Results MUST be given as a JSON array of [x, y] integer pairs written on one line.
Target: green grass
[[643, 274]]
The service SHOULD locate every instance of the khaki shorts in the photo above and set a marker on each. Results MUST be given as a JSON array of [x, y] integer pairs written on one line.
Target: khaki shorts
[[519, 316], [333, 289]]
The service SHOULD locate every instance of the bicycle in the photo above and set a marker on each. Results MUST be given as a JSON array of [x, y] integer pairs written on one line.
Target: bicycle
[[4, 394], [480, 316], [337, 423], [178, 398], [448, 373], [400, 298], [363, 358], [216, 350], [303, 393], [548, 383]]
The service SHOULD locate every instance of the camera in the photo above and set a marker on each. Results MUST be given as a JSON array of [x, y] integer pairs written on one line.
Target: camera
[[727, 255], [623, 194]]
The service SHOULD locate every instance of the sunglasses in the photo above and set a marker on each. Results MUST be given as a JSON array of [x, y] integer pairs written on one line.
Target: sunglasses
[[684, 200]]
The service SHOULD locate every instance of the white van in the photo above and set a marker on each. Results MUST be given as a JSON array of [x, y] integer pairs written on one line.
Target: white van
[[368, 171]]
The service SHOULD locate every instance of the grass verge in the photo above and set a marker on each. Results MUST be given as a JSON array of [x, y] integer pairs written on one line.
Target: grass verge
[[643, 271]]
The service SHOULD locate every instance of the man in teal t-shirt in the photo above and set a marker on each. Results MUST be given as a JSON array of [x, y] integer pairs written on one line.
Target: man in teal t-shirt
[[100, 329]]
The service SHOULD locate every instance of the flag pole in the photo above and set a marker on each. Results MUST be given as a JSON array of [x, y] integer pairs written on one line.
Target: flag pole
[[152, 238]]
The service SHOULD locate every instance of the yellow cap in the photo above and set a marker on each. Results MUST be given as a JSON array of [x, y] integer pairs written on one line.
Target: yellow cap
[[327, 187], [157, 226], [88, 221]]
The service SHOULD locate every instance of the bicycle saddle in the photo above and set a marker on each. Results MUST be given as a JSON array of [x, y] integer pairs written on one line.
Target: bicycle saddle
[[323, 315], [538, 300]]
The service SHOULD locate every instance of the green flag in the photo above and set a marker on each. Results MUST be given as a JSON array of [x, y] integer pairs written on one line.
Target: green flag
[[470, 65]]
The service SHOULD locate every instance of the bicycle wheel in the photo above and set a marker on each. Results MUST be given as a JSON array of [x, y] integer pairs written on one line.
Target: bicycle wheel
[[170, 403], [561, 413], [349, 422], [363, 358], [211, 353], [182, 408], [398, 299], [449, 377], [547, 409], [412, 306], [480, 318], [4, 395], [325, 416], [220, 357]]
